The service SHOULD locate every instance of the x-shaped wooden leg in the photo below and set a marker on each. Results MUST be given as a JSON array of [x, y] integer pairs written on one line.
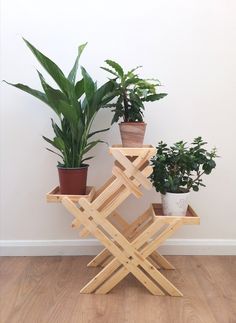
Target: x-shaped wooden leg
[[130, 231], [121, 184], [127, 255]]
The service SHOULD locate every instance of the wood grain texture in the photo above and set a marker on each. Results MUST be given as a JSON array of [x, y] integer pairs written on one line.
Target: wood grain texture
[[46, 290]]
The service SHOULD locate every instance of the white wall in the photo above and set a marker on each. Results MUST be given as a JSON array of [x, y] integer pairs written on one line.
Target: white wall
[[188, 45]]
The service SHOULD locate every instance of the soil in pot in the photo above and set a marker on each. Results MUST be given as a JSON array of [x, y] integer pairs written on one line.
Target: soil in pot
[[73, 180], [132, 133]]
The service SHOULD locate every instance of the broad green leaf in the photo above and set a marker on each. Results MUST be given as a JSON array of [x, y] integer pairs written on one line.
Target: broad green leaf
[[55, 72], [105, 93], [89, 86], [73, 72], [59, 143], [98, 131], [92, 144], [132, 81], [68, 112], [87, 158], [57, 130], [154, 97], [116, 67], [108, 97], [79, 89], [109, 71], [88, 105], [53, 95], [54, 152], [130, 73], [37, 94], [55, 143]]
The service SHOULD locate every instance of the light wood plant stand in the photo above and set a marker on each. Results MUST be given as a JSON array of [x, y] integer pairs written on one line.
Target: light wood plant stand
[[129, 248]]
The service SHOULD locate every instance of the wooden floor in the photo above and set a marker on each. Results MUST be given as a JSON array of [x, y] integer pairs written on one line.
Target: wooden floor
[[46, 289]]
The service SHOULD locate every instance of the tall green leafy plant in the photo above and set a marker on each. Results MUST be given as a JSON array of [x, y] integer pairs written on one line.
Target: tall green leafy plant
[[179, 168], [131, 93], [75, 103]]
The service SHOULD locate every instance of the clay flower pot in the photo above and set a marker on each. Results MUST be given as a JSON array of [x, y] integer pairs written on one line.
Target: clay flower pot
[[73, 180], [132, 133], [175, 203]]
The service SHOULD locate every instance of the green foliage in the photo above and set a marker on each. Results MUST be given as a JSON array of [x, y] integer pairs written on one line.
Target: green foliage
[[76, 105], [130, 91], [179, 168]]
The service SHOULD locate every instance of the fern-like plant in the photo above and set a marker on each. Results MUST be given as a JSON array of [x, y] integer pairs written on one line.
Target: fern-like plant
[[131, 92], [75, 103]]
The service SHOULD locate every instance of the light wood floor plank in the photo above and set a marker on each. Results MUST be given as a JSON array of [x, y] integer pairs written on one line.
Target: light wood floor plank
[[46, 290]]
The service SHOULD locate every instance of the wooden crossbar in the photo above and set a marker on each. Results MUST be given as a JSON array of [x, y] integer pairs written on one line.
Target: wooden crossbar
[[111, 203], [130, 253], [92, 227]]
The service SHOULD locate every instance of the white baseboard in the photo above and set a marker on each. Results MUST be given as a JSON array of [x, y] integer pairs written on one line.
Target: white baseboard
[[92, 247]]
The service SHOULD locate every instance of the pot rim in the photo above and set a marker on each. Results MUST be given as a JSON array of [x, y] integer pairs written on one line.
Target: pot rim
[[74, 168], [132, 122], [180, 193]]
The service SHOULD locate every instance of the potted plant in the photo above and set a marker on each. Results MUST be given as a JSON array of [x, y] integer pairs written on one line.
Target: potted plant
[[75, 105], [131, 93], [177, 170]]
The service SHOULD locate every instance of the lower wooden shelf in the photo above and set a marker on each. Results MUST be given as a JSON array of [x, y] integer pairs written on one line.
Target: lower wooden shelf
[[54, 196], [191, 216]]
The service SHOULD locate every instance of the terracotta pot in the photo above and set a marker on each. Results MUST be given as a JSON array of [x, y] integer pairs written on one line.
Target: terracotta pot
[[132, 133], [73, 180]]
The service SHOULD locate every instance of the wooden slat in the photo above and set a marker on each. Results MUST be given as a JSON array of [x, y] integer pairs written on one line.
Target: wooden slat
[[110, 207], [131, 169], [126, 182], [152, 246], [110, 246], [99, 259], [119, 221], [134, 151], [114, 185], [114, 203], [190, 218], [99, 278], [131, 253], [55, 195], [104, 186], [161, 261], [120, 274]]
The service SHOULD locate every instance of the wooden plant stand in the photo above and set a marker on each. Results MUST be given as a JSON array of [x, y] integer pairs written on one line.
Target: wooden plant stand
[[129, 248]]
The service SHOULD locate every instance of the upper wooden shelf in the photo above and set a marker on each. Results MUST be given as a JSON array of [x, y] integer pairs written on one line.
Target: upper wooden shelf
[[133, 151], [190, 218]]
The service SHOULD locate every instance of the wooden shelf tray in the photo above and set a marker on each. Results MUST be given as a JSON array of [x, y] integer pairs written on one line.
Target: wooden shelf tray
[[55, 195], [190, 218], [133, 151]]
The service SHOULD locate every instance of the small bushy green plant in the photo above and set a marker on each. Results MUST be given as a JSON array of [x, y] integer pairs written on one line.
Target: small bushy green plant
[[179, 168]]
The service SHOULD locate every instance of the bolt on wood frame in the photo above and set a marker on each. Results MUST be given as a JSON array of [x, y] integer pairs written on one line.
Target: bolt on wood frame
[[129, 248]]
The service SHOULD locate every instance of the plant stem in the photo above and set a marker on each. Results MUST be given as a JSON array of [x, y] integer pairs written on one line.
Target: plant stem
[[126, 106], [196, 179]]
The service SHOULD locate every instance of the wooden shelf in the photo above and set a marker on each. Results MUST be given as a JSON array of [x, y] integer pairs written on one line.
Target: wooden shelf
[[54, 196], [190, 218], [133, 151]]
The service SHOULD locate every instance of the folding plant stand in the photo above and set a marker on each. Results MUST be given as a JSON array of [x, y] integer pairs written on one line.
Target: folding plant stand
[[129, 248]]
